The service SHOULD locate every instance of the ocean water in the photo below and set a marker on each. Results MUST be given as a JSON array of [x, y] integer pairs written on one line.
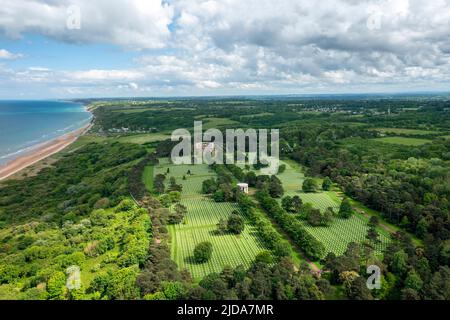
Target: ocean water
[[25, 124]]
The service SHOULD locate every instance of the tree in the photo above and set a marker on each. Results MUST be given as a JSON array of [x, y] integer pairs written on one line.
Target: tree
[[275, 187], [173, 186], [173, 290], [296, 204], [315, 217], [203, 252], [357, 290], [345, 210], [209, 186], [222, 226], [372, 235], [399, 262], [235, 223], [250, 178], [158, 183], [175, 196], [264, 257], [328, 216], [165, 200], [281, 249], [286, 203], [373, 221], [439, 286], [177, 215], [413, 281], [410, 294], [422, 228], [219, 196], [326, 184], [309, 185], [56, 286]]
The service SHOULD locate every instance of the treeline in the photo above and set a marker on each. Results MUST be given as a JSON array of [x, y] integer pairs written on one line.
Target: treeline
[[266, 232], [262, 281], [135, 182], [312, 248]]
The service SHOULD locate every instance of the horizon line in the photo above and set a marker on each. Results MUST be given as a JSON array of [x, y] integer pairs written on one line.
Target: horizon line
[[398, 93]]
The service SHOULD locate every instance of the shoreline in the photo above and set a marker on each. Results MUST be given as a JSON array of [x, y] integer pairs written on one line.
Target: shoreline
[[42, 151]]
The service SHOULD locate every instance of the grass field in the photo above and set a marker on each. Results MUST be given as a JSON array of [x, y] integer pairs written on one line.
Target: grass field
[[144, 138], [147, 178], [405, 131], [200, 225], [403, 141], [341, 232], [201, 219], [256, 115]]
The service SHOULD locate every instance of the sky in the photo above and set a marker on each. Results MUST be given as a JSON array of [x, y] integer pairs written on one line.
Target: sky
[[120, 48]]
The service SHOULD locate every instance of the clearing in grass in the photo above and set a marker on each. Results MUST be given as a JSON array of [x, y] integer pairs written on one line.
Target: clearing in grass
[[403, 141]]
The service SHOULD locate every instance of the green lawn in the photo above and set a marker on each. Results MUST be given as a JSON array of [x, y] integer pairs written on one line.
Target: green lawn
[[144, 138], [403, 141], [147, 177], [200, 225], [405, 131], [341, 232]]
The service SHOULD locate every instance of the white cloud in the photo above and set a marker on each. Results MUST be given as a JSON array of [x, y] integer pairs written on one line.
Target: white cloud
[[252, 45], [5, 54], [135, 24]]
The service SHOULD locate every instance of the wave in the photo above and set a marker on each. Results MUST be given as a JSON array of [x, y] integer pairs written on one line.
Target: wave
[[30, 145]]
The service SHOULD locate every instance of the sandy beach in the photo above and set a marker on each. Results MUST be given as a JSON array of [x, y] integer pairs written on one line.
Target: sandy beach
[[41, 152]]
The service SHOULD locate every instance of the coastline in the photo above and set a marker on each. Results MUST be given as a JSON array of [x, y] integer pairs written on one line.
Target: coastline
[[42, 151]]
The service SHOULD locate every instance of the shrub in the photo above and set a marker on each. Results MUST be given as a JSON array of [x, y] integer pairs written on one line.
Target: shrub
[[309, 185]]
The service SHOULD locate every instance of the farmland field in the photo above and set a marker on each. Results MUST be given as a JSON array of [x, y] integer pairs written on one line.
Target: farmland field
[[403, 141], [200, 222]]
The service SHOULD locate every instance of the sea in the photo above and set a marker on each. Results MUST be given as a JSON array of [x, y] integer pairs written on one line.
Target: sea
[[27, 124]]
